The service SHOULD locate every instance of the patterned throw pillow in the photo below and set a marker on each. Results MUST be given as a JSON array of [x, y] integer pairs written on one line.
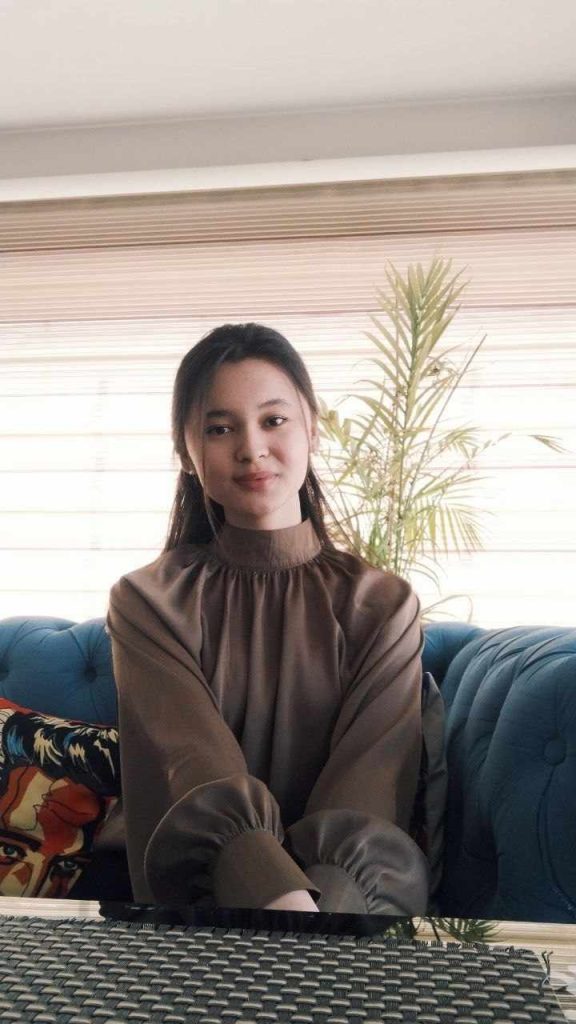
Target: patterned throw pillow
[[58, 781]]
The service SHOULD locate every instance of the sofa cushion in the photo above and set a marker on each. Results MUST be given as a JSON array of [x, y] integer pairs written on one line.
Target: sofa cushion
[[59, 666], [59, 778], [510, 698]]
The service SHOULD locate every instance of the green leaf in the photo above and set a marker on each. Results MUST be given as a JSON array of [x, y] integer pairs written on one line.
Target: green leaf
[[396, 351], [549, 442], [444, 600], [467, 930], [379, 412]]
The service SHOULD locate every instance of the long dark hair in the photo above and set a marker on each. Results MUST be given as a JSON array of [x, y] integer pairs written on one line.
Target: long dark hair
[[195, 518]]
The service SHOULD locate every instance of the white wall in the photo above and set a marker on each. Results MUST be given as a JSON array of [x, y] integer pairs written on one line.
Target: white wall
[[345, 144]]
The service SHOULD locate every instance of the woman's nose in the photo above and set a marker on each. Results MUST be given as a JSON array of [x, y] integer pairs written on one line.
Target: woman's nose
[[252, 444]]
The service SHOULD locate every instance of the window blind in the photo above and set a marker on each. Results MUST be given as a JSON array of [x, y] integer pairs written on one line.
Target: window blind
[[101, 298]]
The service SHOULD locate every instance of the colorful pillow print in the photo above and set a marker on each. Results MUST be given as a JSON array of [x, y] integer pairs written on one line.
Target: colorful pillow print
[[59, 779]]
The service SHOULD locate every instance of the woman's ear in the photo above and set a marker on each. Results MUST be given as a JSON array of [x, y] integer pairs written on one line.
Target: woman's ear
[[187, 466], [314, 439]]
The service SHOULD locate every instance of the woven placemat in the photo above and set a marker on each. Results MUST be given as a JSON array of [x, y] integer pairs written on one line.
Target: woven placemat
[[85, 971]]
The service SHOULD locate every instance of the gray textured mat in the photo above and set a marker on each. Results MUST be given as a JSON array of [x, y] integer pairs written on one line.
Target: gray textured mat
[[82, 972]]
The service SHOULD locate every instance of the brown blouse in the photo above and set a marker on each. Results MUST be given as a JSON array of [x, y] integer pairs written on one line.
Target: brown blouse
[[269, 701]]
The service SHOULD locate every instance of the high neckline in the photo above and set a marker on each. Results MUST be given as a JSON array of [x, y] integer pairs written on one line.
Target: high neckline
[[266, 549]]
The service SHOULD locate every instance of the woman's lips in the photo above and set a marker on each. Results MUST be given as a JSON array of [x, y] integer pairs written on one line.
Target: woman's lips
[[256, 483]]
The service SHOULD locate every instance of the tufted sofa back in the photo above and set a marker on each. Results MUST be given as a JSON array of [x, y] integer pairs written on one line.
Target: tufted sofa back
[[510, 697], [59, 667]]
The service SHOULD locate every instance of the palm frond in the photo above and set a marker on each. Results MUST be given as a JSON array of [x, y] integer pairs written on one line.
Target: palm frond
[[403, 482], [549, 442], [444, 600], [396, 350], [380, 413], [467, 929], [434, 426], [446, 481]]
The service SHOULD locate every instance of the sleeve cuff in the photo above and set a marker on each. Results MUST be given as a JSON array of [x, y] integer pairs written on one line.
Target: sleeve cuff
[[254, 868], [340, 893], [380, 860], [222, 840]]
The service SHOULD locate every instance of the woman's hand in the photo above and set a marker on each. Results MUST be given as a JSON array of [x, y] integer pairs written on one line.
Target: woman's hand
[[298, 899]]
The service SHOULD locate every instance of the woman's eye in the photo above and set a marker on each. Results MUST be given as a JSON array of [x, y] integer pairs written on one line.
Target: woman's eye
[[216, 431], [211, 430]]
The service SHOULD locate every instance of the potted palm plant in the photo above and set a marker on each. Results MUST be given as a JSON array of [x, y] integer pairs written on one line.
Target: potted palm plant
[[399, 477]]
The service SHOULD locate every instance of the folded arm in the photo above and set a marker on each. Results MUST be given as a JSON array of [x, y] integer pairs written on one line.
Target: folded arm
[[353, 839], [197, 823]]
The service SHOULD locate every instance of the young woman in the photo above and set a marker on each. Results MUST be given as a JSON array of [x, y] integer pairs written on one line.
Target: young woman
[[269, 684]]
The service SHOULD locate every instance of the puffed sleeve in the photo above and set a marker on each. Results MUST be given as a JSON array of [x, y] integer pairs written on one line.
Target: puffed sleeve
[[352, 840], [198, 827]]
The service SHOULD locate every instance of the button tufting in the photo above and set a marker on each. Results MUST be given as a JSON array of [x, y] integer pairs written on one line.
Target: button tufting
[[91, 673], [555, 750]]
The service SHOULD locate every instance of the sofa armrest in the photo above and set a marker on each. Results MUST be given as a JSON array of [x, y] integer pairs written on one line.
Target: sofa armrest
[[511, 752]]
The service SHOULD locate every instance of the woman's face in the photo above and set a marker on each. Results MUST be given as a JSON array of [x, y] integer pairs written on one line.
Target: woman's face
[[255, 422]]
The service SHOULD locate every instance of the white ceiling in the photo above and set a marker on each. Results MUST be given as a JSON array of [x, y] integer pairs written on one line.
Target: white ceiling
[[81, 62]]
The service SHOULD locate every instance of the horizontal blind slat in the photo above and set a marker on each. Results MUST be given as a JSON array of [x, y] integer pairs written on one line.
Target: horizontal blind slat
[[263, 279], [144, 339], [447, 204]]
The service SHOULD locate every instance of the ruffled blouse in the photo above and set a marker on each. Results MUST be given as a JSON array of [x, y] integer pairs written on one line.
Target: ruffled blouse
[[269, 703]]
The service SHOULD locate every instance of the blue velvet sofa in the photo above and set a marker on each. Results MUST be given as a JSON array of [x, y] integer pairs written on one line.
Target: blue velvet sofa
[[510, 697]]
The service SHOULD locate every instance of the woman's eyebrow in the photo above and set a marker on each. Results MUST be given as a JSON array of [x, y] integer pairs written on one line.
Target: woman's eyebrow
[[213, 413]]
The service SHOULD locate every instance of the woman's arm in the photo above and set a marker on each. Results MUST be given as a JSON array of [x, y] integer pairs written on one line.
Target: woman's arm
[[353, 839], [196, 822]]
